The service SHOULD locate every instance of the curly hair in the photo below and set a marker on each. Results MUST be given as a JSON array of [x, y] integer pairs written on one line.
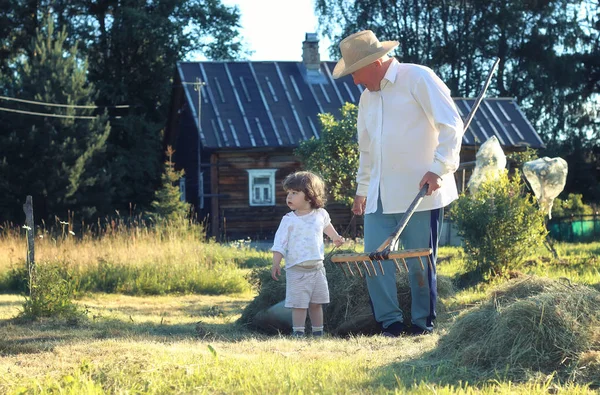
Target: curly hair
[[311, 184]]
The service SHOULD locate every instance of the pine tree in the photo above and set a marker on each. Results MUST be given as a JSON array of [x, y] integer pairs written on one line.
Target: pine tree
[[168, 204], [52, 158]]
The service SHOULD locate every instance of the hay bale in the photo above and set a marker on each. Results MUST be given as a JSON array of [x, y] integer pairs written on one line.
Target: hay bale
[[275, 319], [527, 325], [269, 293], [588, 369], [349, 310]]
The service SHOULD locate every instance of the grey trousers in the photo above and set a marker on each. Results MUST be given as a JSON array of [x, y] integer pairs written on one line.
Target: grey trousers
[[422, 231]]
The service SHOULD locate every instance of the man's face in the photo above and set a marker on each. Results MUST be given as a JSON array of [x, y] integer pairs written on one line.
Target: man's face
[[368, 76]]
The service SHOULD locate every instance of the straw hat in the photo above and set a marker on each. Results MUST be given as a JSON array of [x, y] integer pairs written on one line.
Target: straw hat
[[359, 50]]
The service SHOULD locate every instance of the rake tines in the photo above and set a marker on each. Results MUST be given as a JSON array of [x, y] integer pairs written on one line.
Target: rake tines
[[346, 261]]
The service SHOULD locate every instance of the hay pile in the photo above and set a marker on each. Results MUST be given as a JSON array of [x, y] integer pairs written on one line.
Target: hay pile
[[530, 325], [349, 310]]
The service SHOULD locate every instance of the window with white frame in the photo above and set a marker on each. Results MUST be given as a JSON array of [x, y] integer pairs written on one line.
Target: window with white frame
[[261, 187]]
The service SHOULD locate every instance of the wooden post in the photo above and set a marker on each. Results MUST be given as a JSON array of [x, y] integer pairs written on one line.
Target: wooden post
[[30, 229]]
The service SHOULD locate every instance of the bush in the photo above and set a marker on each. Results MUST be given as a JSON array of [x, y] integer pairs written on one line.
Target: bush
[[52, 295], [500, 225]]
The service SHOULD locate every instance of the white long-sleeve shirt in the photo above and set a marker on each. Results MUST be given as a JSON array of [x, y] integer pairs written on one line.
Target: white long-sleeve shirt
[[299, 238], [409, 127]]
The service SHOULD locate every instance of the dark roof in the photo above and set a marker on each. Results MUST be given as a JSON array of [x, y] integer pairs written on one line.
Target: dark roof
[[275, 104]]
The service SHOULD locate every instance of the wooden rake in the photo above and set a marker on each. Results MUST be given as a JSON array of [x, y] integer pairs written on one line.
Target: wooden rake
[[365, 261]]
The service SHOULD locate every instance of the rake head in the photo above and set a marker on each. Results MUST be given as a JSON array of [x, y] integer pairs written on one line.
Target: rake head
[[364, 262]]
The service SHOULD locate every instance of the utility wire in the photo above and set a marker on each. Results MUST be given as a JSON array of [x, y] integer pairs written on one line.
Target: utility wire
[[43, 114], [39, 103]]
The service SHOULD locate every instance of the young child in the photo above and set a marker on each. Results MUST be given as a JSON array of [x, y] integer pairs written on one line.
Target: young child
[[299, 239]]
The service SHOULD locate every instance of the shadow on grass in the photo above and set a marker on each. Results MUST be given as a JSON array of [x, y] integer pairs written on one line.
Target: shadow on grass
[[191, 309], [18, 336], [10, 303], [426, 368]]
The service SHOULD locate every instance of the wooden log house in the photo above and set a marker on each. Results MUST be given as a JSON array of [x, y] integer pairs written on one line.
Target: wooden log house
[[234, 126]]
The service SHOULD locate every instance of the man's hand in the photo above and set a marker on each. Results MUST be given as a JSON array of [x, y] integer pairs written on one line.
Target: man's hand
[[434, 181], [275, 271], [360, 202]]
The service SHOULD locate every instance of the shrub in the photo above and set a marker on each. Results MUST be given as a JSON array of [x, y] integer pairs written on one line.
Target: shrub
[[500, 225], [52, 295]]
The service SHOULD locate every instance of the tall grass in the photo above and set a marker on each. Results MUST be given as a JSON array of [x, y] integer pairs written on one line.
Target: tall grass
[[138, 258]]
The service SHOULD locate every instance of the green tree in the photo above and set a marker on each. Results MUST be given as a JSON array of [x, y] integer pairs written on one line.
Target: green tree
[[168, 204], [133, 53], [133, 47], [335, 154], [572, 205], [52, 158]]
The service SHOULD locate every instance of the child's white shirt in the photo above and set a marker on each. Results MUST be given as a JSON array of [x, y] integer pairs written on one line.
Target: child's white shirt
[[299, 238]]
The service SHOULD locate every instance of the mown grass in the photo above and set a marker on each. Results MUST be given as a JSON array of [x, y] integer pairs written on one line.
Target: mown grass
[[173, 333], [190, 344]]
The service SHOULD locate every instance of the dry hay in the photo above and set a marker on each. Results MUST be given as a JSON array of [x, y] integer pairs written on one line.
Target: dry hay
[[349, 310], [530, 325], [588, 368]]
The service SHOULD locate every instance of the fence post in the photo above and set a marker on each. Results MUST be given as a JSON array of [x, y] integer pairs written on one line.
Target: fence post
[[30, 229]]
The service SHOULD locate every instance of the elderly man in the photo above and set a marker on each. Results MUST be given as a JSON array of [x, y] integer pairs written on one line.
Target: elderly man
[[409, 135]]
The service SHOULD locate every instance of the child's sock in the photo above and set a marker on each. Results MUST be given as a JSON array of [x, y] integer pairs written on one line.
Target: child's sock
[[298, 331], [317, 331]]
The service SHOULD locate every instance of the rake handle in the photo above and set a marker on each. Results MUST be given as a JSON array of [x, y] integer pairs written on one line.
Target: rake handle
[[383, 251]]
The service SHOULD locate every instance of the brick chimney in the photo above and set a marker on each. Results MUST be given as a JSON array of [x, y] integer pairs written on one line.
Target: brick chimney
[[310, 52]]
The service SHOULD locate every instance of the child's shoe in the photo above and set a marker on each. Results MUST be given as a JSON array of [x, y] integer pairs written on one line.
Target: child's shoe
[[317, 331], [297, 334]]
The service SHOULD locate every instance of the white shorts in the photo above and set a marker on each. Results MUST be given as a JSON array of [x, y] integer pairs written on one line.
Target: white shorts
[[304, 285]]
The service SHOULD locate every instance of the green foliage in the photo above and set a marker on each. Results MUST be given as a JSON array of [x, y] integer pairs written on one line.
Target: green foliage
[[52, 294], [133, 59], [571, 206], [499, 224], [518, 158], [56, 160], [161, 278], [168, 204], [335, 154], [15, 279], [133, 49]]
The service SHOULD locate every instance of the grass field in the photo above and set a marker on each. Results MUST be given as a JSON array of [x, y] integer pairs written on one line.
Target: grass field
[[139, 342]]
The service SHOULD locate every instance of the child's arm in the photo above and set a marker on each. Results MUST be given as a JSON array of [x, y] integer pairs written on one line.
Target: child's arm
[[279, 248], [276, 269], [333, 235]]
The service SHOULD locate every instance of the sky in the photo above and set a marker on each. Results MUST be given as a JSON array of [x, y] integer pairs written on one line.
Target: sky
[[275, 29]]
